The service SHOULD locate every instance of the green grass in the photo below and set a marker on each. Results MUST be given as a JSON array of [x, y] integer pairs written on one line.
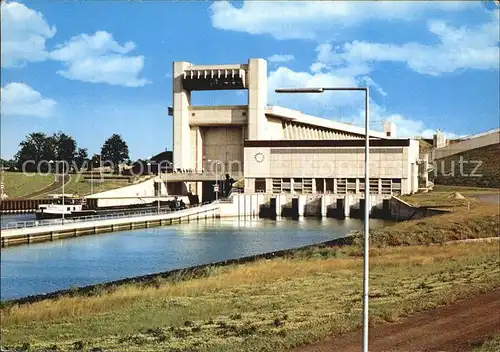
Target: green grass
[[18, 184], [490, 345], [76, 185], [481, 221], [466, 190], [267, 305], [442, 197]]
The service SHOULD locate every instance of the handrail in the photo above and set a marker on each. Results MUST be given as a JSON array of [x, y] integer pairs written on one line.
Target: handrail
[[118, 215]]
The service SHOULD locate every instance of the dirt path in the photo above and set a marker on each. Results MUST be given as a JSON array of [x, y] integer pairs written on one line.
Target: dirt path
[[52, 187], [451, 328], [489, 198]]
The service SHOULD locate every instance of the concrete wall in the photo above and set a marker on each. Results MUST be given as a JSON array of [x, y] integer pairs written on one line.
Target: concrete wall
[[308, 205], [475, 168], [261, 162], [144, 192], [243, 205], [218, 115], [224, 144], [274, 128], [401, 210], [460, 147]]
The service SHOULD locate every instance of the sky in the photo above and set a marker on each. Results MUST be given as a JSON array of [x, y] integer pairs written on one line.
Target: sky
[[94, 68]]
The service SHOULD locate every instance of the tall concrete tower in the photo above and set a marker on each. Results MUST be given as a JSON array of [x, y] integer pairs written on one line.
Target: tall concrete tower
[[198, 130]]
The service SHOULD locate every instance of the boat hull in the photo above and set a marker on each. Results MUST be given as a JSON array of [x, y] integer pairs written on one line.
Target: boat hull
[[42, 215]]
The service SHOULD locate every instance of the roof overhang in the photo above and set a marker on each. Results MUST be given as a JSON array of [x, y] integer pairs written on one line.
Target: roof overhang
[[299, 117], [297, 143]]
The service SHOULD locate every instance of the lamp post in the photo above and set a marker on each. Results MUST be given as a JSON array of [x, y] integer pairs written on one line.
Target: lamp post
[[157, 189], [216, 188], [367, 192], [63, 181], [92, 176]]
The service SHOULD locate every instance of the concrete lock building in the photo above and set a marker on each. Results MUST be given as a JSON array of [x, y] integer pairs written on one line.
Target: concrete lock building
[[274, 149]]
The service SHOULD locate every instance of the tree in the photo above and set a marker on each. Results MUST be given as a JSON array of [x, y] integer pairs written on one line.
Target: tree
[[114, 150], [6, 163], [38, 147], [35, 148], [64, 147], [81, 158]]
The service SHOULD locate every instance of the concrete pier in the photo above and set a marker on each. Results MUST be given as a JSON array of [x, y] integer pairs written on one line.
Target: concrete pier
[[25, 235]]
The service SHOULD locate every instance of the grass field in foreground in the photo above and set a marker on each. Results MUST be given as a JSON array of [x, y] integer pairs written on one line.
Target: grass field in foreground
[[268, 305], [491, 345], [18, 184]]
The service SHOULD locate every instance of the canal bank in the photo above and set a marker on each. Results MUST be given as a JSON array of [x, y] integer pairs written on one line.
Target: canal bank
[[51, 266], [240, 206]]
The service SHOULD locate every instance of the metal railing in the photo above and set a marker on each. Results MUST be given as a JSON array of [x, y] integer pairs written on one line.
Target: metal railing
[[118, 215]]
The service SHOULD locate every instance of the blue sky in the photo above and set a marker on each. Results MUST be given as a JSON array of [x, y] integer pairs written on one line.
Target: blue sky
[[94, 68]]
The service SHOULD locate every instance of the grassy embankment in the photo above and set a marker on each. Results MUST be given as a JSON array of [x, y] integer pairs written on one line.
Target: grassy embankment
[[18, 184], [442, 197], [491, 345], [270, 305], [77, 185]]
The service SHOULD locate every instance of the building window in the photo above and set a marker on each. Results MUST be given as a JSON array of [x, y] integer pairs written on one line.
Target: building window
[[307, 186], [351, 185], [320, 185], [276, 185], [297, 185], [386, 186], [286, 185], [396, 186], [341, 186], [260, 185]]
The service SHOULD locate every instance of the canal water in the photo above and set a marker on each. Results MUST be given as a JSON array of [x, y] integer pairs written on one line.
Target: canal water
[[50, 266]]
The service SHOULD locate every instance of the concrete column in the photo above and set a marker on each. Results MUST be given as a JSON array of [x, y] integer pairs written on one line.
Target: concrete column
[[347, 206], [279, 205], [324, 206], [257, 98], [414, 177], [181, 131], [199, 150], [249, 185], [302, 204]]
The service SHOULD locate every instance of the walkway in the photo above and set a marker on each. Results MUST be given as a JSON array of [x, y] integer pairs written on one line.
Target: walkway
[[31, 231], [456, 327]]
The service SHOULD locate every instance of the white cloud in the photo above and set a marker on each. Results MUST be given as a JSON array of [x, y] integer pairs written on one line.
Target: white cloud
[[24, 32], [280, 58], [309, 19], [341, 106], [99, 58], [284, 77], [19, 99], [458, 48], [405, 126]]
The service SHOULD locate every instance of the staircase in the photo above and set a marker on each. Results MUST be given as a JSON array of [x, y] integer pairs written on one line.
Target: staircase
[[429, 184]]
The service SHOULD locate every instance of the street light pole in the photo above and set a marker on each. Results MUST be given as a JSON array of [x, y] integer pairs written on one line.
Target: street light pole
[[63, 194], [63, 209], [366, 253], [91, 176], [216, 186], [159, 188]]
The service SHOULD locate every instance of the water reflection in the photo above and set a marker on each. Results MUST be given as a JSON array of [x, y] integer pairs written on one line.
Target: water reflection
[[49, 266]]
